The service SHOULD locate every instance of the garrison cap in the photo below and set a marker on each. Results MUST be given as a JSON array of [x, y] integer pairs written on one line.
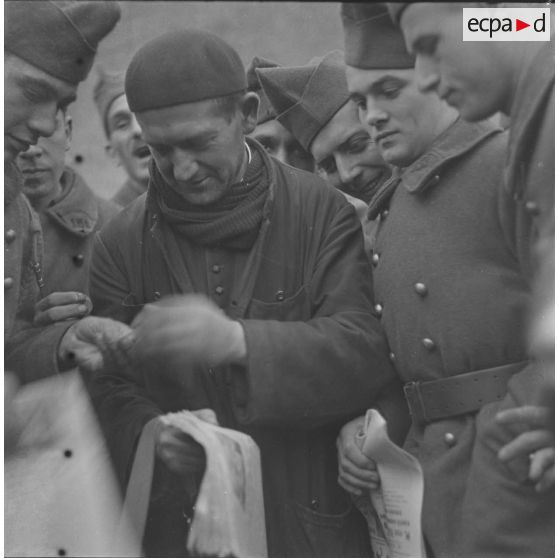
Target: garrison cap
[[372, 41], [306, 97], [58, 37], [180, 67], [109, 86], [265, 110]]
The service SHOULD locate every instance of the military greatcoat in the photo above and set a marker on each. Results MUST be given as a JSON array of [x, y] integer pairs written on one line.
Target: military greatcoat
[[450, 295]]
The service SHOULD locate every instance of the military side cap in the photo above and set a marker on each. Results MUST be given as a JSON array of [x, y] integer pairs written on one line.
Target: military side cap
[[109, 86], [58, 37], [265, 110], [306, 97], [180, 67], [372, 41]]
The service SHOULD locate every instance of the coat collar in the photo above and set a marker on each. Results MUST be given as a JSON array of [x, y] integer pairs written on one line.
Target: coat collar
[[457, 140], [77, 210], [423, 174], [13, 182]]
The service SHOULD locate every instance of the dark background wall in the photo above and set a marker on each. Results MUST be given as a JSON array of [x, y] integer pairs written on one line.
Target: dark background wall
[[289, 33]]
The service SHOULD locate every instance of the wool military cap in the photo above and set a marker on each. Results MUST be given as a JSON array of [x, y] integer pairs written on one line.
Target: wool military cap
[[180, 67], [109, 86], [58, 37], [306, 97], [265, 110], [372, 41]]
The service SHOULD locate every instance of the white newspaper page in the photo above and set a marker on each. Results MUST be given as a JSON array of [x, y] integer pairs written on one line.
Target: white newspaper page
[[393, 512], [229, 518]]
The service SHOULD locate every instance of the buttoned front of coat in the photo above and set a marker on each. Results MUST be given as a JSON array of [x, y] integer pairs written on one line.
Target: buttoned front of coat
[[316, 355], [450, 296]]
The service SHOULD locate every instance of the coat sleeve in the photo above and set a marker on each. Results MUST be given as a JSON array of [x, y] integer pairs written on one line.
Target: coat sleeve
[[331, 366], [118, 396], [32, 353]]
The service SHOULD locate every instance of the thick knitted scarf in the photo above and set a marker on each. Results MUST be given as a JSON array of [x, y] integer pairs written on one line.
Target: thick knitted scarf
[[232, 222]]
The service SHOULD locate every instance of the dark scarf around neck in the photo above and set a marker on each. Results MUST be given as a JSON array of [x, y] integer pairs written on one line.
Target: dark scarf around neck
[[232, 222]]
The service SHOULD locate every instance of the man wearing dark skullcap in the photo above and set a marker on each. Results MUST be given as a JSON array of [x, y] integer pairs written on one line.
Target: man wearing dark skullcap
[[123, 133], [513, 460], [277, 140], [49, 48], [449, 289], [265, 312]]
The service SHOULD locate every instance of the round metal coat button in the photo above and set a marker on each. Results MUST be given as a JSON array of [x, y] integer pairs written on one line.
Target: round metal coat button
[[532, 208], [8, 282], [10, 235], [420, 289], [384, 214], [216, 268], [378, 308], [392, 357], [78, 259], [375, 258], [428, 344], [450, 439], [280, 296], [219, 290]]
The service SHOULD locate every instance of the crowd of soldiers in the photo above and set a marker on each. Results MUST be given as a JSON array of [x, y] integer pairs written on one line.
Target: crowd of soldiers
[[295, 245]]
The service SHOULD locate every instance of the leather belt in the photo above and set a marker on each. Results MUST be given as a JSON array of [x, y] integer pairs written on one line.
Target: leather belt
[[433, 400]]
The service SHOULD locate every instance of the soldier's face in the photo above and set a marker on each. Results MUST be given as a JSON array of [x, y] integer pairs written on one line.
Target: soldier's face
[[404, 122], [346, 155], [282, 145], [42, 164], [198, 147], [473, 77], [32, 99], [126, 145]]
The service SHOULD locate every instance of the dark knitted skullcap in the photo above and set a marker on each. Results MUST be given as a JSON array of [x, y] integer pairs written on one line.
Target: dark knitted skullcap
[[58, 37], [109, 86], [306, 97], [265, 110], [180, 67], [372, 41]]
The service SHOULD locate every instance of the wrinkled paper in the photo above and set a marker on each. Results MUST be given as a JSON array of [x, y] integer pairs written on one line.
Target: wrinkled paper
[[229, 518], [393, 511]]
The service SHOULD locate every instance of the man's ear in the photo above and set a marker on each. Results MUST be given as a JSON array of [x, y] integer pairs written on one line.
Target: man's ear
[[249, 104]]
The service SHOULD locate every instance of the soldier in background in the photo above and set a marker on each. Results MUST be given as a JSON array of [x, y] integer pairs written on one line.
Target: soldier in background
[[70, 213], [276, 139], [125, 144], [313, 102]]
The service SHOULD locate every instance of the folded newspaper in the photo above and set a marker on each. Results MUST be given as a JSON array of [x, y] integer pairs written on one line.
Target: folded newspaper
[[60, 494], [393, 511], [229, 516]]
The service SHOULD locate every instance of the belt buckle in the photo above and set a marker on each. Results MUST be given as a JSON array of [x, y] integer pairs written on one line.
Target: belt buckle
[[414, 402]]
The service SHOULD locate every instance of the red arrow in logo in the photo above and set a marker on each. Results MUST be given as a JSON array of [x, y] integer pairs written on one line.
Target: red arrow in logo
[[519, 24]]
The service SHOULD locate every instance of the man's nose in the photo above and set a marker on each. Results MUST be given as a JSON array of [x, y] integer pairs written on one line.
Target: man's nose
[[33, 152], [347, 171], [375, 116], [427, 75], [184, 165], [42, 121], [136, 130]]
